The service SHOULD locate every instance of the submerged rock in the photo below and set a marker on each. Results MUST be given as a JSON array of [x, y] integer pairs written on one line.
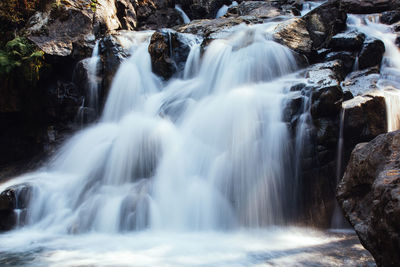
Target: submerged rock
[[369, 195]]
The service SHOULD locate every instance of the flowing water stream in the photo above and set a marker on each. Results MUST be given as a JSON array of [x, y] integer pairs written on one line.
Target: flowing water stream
[[196, 171]]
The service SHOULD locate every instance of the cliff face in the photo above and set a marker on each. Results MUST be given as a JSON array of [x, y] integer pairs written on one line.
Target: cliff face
[[369, 195]]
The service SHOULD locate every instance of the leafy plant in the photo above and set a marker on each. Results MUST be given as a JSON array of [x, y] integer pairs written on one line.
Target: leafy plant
[[21, 57]]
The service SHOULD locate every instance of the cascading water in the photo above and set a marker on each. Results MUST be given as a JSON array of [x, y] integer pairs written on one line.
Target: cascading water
[[206, 152], [388, 83], [185, 17], [224, 9], [92, 96]]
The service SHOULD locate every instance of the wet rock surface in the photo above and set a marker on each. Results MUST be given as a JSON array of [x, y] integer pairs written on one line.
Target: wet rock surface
[[168, 53], [371, 53], [369, 196], [369, 6], [365, 117], [314, 30]]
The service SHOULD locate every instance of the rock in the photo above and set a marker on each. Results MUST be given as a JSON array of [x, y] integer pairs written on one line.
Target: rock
[[324, 79], [202, 9], [361, 82], [390, 17], [168, 51], [294, 34], [397, 41], [325, 21], [60, 28], [396, 27], [369, 6], [371, 53], [347, 58], [369, 195], [215, 29], [15, 197], [259, 9], [365, 118], [156, 15], [314, 30], [348, 41], [293, 107], [114, 48]]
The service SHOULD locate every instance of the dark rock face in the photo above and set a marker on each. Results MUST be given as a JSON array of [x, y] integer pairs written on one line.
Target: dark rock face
[[348, 41], [369, 6], [369, 195], [15, 197], [259, 9], [360, 82], [325, 79], [390, 17], [201, 9], [314, 30], [365, 118], [168, 53], [371, 53], [156, 14], [209, 30]]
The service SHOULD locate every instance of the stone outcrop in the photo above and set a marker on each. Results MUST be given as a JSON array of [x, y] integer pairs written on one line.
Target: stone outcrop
[[369, 6], [314, 30], [361, 82], [371, 53], [369, 195], [365, 118], [168, 52], [14, 198]]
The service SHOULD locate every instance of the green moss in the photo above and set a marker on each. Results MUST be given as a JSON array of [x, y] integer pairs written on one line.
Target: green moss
[[21, 59]]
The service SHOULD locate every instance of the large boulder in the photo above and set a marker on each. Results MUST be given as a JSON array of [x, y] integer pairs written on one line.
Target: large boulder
[[314, 30], [369, 195], [371, 53], [390, 17], [14, 198], [259, 9], [325, 79], [347, 41], [369, 6], [364, 118], [361, 81], [169, 50]]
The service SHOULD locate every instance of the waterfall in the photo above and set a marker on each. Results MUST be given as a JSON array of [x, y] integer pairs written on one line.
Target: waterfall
[[185, 17], [154, 161], [198, 170], [338, 221], [224, 9], [390, 66], [93, 101]]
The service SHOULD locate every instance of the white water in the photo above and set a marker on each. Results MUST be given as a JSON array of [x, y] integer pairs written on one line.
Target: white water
[[224, 9], [185, 17], [91, 99], [208, 152], [389, 81]]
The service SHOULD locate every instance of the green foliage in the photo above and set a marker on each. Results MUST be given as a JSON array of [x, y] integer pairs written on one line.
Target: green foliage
[[21, 59], [93, 5]]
